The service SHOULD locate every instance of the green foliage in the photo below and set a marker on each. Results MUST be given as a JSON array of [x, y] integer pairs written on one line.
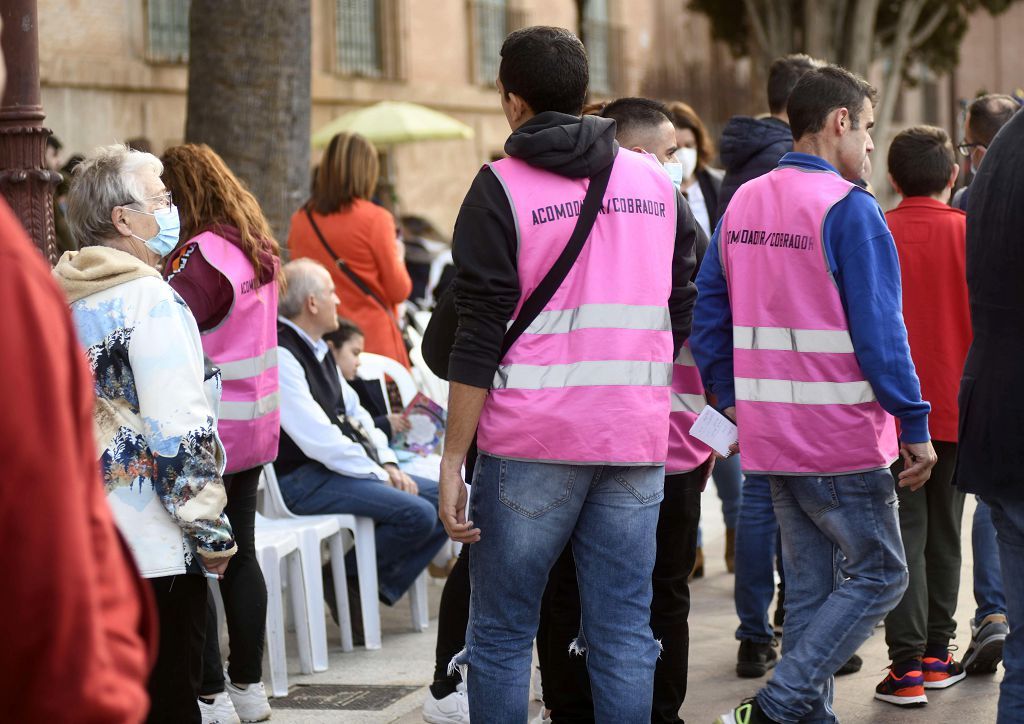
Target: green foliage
[[940, 51]]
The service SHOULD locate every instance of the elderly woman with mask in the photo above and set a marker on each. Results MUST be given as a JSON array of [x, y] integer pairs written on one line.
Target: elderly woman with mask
[[158, 449]]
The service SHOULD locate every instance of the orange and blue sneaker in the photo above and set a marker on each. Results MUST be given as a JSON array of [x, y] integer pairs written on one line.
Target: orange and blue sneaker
[[905, 690], [941, 672]]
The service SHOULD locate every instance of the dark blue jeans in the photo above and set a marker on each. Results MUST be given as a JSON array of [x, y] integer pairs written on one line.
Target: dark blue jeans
[[1008, 517], [988, 578], [757, 533], [830, 612], [408, 531]]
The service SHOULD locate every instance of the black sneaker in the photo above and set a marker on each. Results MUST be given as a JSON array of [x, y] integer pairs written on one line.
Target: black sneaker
[[851, 667], [986, 649], [749, 712], [754, 659]]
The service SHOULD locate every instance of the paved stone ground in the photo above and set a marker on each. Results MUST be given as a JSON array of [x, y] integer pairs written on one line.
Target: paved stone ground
[[407, 659]]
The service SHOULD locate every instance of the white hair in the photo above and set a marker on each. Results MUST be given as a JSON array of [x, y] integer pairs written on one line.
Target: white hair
[[302, 280], [109, 176]]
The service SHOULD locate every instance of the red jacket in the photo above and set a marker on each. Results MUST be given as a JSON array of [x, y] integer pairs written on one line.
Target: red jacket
[[931, 242], [79, 630]]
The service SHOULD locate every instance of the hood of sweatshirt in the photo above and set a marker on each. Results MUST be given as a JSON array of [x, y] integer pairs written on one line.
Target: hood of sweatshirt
[[97, 268], [744, 137], [563, 144]]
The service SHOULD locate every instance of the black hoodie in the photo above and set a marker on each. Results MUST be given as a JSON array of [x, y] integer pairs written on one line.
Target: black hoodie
[[750, 147], [484, 243]]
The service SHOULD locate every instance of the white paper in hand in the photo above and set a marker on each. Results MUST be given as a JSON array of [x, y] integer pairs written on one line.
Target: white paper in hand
[[714, 430]]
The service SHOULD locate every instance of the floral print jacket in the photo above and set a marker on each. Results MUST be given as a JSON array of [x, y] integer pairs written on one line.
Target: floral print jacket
[[155, 412]]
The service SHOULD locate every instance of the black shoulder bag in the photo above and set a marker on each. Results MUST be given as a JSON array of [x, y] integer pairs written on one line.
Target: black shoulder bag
[[440, 333]]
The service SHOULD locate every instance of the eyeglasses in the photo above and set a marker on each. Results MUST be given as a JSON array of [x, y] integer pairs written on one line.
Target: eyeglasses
[[966, 148], [165, 201]]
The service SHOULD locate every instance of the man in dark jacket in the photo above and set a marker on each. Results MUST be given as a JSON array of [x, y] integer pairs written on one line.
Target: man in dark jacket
[[991, 447], [751, 147], [540, 479], [985, 116]]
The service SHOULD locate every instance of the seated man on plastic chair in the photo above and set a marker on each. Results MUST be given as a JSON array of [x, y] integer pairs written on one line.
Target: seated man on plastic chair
[[329, 462]]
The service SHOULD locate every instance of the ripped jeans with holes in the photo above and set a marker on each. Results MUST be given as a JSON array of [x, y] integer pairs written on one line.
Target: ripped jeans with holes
[[527, 512]]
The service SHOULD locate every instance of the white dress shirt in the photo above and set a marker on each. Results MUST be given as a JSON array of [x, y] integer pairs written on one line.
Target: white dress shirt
[[312, 430], [699, 207]]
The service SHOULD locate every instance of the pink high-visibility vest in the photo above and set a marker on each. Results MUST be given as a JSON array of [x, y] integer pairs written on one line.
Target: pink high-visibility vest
[[803, 405], [588, 382], [685, 452], [244, 346]]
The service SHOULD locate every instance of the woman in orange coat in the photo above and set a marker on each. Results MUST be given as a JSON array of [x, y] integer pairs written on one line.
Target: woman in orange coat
[[362, 235]]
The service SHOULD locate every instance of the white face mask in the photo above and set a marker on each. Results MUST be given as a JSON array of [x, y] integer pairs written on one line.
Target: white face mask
[[674, 169], [687, 157]]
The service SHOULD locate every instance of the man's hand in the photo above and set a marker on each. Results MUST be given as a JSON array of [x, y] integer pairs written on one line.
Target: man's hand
[[452, 503], [400, 480], [215, 565], [729, 412], [708, 468], [918, 460], [399, 423]]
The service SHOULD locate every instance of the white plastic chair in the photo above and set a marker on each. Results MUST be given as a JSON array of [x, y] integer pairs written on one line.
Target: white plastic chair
[[312, 531], [362, 532], [375, 366], [273, 548]]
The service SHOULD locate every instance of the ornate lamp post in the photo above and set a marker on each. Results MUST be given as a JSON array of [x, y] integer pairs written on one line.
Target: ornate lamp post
[[25, 181]]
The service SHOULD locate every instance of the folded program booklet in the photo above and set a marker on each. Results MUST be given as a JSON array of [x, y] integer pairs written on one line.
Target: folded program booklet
[[714, 430], [427, 419]]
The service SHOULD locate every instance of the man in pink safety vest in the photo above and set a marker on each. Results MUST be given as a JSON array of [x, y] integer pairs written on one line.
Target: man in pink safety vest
[[572, 421], [799, 333], [643, 125]]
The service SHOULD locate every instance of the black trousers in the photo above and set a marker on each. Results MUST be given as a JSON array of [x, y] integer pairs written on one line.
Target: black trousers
[[453, 611], [244, 592], [930, 520], [174, 681], [564, 675]]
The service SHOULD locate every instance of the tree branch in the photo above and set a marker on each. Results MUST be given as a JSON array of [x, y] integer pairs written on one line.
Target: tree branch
[[757, 26], [860, 33], [922, 35]]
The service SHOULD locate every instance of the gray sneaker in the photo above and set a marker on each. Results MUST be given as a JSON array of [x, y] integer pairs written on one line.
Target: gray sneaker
[[986, 649]]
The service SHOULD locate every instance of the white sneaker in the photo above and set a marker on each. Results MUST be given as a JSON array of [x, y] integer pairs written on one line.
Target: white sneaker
[[221, 711], [251, 702], [452, 709], [541, 718]]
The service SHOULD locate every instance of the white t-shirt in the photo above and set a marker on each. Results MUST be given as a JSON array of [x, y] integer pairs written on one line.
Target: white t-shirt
[[699, 207]]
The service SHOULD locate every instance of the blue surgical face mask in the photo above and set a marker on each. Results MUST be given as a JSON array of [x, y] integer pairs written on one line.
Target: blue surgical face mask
[[674, 169], [166, 240]]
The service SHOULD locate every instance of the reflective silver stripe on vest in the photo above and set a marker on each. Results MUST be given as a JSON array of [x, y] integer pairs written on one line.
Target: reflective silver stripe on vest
[[612, 373], [796, 340], [804, 393], [685, 358], [241, 369], [248, 410], [601, 316], [688, 403]]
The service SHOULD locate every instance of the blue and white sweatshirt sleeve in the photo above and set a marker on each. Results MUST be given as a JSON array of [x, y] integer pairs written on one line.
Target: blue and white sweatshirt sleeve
[[862, 255], [711, 337]]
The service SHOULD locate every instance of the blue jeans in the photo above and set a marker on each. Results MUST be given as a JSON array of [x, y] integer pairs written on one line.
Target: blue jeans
[[828, 616], [728, 483], [756, 535], [408, 532], [1008, 517], [988, 579], [527, 512]]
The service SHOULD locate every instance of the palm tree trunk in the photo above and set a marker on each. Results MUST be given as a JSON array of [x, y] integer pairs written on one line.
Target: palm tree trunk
[[249, 95]]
